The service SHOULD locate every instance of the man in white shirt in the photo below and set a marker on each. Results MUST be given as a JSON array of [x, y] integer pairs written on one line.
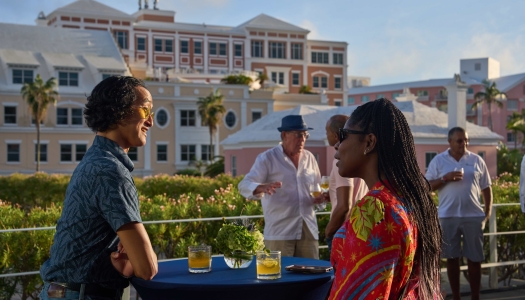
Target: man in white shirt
[[281, 179], [460, 176], [344, 192], [522, 185]]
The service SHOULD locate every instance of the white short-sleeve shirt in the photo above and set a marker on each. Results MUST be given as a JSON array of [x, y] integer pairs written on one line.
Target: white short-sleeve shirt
[[359, 187], [460, 198]]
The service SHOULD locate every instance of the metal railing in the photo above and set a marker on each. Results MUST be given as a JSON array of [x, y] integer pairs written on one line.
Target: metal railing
[[492, 235]]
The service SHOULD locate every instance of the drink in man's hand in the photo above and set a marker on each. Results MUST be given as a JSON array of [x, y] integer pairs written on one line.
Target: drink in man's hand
[[199, 259], [315, 193], [325, 183]]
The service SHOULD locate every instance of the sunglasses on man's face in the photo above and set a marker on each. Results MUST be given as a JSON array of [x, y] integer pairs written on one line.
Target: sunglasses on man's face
[[145, 112], [343, 133]]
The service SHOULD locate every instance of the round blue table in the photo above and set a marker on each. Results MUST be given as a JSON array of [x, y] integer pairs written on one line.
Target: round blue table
[[173, 281]]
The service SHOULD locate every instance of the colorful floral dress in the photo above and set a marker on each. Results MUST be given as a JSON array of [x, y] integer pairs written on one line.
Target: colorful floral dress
[[373, 252]]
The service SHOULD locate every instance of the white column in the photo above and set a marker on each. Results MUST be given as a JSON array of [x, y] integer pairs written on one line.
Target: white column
[[177, 51], [244, 116], [205, 53], [150, 49], [230, 53], [457, 103]]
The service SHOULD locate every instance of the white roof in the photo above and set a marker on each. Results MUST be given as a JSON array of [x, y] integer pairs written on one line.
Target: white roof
[[15, 57], [414, 84], [505, 83], [58, 60], [188, 27], [93, 8], [264, 21], [105, 63], [424, 122]]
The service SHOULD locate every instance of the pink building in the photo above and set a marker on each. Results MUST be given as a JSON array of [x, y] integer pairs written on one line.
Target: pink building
[[429, 127], [433, 93]]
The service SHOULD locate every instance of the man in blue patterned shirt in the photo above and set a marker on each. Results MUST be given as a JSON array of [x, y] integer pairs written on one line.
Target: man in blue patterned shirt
[[100, 240]]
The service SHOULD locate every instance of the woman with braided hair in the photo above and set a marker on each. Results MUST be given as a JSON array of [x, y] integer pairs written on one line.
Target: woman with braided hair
[[390, 246]]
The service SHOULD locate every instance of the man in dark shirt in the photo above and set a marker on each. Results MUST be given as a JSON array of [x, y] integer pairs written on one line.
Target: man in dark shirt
[[100, 240]]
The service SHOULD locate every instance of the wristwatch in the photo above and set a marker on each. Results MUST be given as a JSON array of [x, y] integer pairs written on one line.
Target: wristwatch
[[443, 180]]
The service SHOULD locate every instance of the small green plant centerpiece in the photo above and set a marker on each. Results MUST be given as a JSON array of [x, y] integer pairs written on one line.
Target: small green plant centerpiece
[[239, 241]]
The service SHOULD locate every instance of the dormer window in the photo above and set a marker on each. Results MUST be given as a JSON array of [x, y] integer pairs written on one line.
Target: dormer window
[[67, 78], [21, 76]]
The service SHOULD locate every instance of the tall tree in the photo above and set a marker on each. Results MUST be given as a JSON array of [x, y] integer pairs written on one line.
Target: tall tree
[[38, 95], [491, 95], [211, 109], [516, 123]]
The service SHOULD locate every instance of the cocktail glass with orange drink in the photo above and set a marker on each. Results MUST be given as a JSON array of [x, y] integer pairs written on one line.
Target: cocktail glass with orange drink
[[268, 264], [199, 259]]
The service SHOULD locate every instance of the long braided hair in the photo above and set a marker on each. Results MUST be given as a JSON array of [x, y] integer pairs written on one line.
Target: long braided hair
[[397, 162]]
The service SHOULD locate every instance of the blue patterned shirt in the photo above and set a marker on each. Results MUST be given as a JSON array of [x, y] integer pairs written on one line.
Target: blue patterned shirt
[[100, 198]]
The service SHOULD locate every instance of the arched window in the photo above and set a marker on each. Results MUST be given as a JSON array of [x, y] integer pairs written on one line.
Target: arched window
[[161, 118], [230, 119]]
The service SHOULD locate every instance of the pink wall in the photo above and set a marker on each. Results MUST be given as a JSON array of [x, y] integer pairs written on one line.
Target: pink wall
[[246, 157]]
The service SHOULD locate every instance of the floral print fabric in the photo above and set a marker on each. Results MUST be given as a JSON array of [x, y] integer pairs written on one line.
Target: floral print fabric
[[373, 252]]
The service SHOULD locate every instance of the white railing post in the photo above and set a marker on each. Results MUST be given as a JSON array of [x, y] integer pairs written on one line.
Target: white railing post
[[493, 240]]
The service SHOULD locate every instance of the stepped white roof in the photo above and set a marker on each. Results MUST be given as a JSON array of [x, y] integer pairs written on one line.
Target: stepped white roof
[[264, 21], [424, 121], [93, 8]]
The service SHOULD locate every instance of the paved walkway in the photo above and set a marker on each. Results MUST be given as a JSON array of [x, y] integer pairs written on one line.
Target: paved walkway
[[515, 291]]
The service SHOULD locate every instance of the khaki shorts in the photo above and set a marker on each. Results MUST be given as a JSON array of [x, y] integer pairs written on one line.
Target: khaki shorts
[[467, 231], [307, 246]]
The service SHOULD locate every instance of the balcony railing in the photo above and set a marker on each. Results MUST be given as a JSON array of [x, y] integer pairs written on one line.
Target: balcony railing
[[440, 97]]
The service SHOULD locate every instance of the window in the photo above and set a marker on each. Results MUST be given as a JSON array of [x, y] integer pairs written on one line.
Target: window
[[297, 51], [205, 152], [470, 91], [365, 99], [277, 50], [338, 58], [67, 78], [187, 152], [66, 152], [512, 104], [257, 49], [256, 115], [324, 82], [122, 39], [106, 76], [80, 151], [9, 114], [278, 77], [162, 152], [161, 117], [213, 49], [168, 46], [13, 152], [337, 102], [477, 67], [43, 152], [482, 154], [197, 47], [222, 49], [379, 96], [295, 79], [22, 76], [395, 95], [62, 116], [428, 158], [133, 153], [315, 82], [320, 57], [76, 116], [184, 47], [470, 112], [158, 45], [187, 118], [337, 83], [238, 50], [230, 119], [351, 101], [511, 137], [141, 44], [422, 93], [234, 165]]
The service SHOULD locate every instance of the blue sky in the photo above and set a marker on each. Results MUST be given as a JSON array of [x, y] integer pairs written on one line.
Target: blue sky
[[389, 41]]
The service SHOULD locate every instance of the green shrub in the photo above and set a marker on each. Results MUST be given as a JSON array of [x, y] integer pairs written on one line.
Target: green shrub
[[189, 172]]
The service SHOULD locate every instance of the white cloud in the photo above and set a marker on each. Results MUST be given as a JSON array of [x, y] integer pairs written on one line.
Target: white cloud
[[314, 32]]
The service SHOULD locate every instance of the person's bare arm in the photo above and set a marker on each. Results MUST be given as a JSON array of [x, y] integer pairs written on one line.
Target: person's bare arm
[[487, 199], [436, 184], [137, 247], [341, 210]]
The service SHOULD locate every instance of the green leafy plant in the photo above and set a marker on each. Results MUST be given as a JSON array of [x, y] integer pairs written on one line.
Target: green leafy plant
[[239, 241]]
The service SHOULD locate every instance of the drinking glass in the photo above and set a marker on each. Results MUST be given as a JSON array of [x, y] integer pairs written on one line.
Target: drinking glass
[[459, 170], [268, 264], [315, 190], [325, 184], [199, 259]]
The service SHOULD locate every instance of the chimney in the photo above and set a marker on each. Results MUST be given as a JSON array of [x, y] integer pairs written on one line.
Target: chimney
[[457, 103]]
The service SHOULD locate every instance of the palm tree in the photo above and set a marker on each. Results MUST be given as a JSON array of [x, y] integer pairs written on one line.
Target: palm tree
[[39, 95], [262, 78], [489, 96], [516, 123], [211, 109]]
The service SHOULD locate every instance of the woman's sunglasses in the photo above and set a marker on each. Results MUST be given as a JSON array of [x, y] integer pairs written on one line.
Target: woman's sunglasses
[[343, 133]]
